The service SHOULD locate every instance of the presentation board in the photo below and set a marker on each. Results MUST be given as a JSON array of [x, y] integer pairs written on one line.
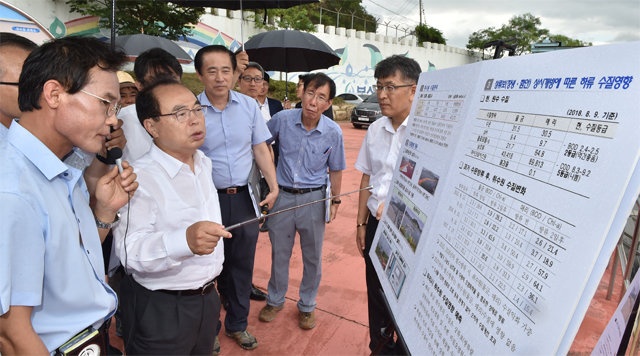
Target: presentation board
[[513, 183]]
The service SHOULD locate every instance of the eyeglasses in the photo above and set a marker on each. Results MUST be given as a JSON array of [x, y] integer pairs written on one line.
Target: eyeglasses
[[389, 88], [248, 79], [319, 99], [9, 83], [183, 115], [113, 107]]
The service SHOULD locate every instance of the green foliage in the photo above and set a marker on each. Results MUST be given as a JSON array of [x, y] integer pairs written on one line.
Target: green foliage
[[277, 90], [523, 31], [292, 18], [426, 33], [191, 81], [569, 42], [304, 17], [346, 8], [157, 18]]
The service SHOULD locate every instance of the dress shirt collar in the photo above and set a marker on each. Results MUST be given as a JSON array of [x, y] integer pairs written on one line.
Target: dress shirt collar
[[321, 127], [204, 99], [388, 125], [35, 151], [171, 165], [3, 131]]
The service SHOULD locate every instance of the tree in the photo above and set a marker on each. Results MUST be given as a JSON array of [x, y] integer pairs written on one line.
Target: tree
[[156, 18], [291, 18], [521, 31], [569, 42], [426, 33], [304, 17]]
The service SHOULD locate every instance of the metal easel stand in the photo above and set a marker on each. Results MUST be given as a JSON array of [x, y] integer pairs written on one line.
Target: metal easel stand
[[626, 252]]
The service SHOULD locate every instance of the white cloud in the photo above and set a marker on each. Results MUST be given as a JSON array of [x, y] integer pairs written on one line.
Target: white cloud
[[594, 21]]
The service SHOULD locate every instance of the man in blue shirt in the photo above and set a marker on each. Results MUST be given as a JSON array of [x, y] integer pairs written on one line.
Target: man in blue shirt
[[236, 135], [51, 268], [310, 144], [14, 50]]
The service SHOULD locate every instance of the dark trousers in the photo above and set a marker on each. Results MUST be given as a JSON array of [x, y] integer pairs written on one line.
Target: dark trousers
[[378, 313], [234, 283], [158, 323]]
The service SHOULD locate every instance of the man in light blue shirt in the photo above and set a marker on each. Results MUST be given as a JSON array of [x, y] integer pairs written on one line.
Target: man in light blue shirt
[[236, 135], [310, 144], [51, 268], [14, 50]]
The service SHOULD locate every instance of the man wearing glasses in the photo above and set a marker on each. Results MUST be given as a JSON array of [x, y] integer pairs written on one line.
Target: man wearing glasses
[[236, 135], [396, 77], [310, 144], [51, 266], [300, 92], [170, 236]]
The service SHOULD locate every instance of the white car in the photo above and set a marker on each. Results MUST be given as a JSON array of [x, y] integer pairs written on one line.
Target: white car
[[351, 98]]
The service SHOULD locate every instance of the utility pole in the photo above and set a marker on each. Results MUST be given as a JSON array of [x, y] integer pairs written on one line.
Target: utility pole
[[420, 12]]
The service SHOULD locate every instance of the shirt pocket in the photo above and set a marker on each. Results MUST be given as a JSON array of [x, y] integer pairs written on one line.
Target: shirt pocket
[[317, 156]]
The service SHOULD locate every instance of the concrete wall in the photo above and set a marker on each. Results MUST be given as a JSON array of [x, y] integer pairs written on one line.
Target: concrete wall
[[359, 51]]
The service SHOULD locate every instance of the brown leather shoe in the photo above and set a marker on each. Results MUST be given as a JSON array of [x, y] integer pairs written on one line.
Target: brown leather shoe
[[307, 320], [244, 339], [269, 312]]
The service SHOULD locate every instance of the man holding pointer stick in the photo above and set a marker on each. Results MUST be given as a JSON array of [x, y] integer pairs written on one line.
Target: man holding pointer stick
[[170, 236]]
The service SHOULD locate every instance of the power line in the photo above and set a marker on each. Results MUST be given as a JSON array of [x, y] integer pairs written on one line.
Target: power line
[[391, 11]]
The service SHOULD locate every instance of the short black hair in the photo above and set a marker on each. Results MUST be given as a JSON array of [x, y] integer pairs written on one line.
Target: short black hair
[[257, 66], [409, 68], [303, 77], [157, 60], [197, 61], [11, 39], [8, 39], [67, 60], [266, 77], [317, 80], [147, 105]]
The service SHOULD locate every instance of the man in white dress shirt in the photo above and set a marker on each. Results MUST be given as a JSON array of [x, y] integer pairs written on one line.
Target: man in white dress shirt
[[396, 78], [170, 236]]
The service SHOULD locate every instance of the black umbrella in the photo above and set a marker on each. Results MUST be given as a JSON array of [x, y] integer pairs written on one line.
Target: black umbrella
[[290, 51], [134, 45]]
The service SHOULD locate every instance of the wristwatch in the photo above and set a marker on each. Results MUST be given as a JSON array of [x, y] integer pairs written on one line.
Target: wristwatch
[[104, 225], [336, 201]]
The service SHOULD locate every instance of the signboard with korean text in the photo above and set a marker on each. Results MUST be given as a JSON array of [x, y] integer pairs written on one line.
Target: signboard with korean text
[[512, 186]]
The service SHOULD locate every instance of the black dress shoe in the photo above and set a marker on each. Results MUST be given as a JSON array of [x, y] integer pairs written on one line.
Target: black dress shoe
[[257, 294]]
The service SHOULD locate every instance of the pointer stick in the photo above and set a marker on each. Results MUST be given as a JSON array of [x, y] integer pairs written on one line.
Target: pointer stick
[[229, 228]]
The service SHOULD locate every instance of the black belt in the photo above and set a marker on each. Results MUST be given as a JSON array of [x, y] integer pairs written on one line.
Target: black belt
[[205, 289], [232, 190], [300, 190]]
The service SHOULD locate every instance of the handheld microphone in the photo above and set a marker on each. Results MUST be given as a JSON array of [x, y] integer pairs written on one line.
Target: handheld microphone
[[116, 153]]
